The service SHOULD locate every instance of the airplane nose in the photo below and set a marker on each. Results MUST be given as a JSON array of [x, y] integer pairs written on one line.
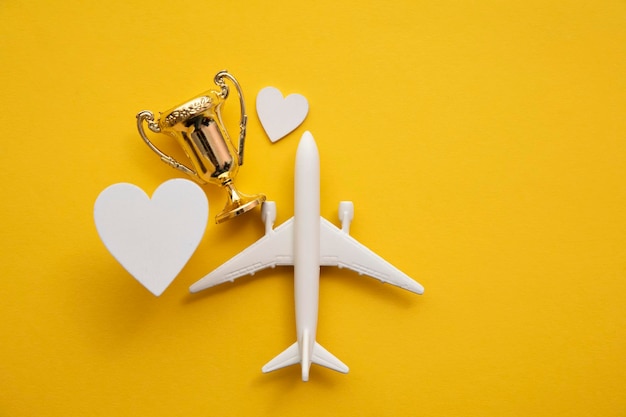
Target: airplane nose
[[307, 146]]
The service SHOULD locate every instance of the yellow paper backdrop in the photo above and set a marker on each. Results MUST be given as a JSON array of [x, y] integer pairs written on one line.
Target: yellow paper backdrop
[[483, 144]]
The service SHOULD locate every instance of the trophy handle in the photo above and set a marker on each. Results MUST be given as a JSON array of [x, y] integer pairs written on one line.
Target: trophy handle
[[219, 81], [148, 117]]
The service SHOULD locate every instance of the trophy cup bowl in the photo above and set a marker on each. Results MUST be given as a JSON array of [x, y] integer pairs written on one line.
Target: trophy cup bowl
[[198, 128]]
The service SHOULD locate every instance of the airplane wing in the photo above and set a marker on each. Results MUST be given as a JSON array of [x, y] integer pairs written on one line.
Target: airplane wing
[[338, 248], [275, 248]]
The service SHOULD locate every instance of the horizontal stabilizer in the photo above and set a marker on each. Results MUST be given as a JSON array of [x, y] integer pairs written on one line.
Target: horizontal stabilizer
[[289, 356], [323, 357]]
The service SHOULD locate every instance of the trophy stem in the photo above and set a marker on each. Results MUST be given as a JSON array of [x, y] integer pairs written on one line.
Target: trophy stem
[[238, 203]]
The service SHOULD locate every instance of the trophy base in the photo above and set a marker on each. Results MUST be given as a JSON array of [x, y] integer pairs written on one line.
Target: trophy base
[[240, 206]]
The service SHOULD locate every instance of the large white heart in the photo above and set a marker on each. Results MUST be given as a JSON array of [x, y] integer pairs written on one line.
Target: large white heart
[[279, 116], [152, 238]]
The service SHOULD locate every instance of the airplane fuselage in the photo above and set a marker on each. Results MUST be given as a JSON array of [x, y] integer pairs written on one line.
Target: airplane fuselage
[[307, 248]]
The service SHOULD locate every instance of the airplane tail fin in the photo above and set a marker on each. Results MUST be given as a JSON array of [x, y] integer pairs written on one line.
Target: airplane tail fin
[[292, 356]]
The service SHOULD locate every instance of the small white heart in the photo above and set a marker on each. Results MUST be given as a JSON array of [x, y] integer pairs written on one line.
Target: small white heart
[[279, 116], [152, 238]]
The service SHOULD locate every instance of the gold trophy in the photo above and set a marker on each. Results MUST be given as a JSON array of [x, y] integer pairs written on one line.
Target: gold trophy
[[198, 128]]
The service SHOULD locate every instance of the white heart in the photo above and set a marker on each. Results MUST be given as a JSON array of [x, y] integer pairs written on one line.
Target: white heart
[[152, 239], [280, 116]]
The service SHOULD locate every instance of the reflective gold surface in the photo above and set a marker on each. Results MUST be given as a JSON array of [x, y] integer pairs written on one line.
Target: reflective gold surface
[[198, 128]]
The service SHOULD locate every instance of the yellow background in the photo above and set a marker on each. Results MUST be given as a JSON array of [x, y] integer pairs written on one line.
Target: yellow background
[[483, 144]]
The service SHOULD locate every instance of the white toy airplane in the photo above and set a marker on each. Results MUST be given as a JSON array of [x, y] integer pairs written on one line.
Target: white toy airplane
[[307, 241]]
